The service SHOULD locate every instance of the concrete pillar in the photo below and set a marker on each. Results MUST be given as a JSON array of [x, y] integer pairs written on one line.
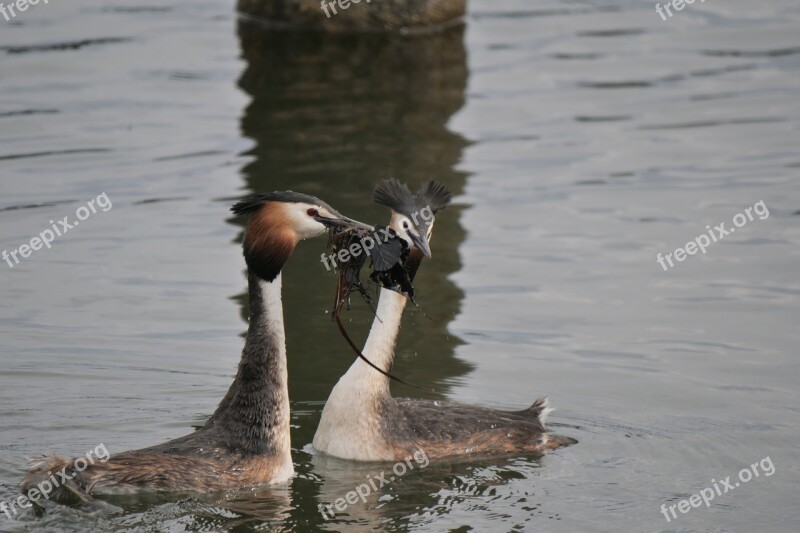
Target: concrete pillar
[[358, 15]]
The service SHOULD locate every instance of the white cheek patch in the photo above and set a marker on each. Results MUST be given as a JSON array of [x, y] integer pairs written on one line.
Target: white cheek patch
[[304, 224]]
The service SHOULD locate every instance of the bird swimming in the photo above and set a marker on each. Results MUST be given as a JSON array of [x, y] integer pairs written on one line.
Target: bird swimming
[[246, 441], [362, 421]]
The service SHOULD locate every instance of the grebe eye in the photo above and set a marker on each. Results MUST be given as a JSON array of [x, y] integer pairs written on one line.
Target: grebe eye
[[405, 225], [312, 212]]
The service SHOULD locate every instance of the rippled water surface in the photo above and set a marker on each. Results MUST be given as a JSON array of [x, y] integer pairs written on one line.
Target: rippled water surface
[[582, 139]]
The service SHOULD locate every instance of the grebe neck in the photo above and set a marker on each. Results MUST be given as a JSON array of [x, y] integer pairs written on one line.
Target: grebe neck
[[380, 345], [255, 411], [351, 420]]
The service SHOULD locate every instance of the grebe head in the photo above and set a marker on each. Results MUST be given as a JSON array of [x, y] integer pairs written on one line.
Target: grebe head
[[278, 221], [413, 215]]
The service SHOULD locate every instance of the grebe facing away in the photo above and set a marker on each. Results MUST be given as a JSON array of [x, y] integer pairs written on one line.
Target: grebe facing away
[[363, 422], [246, 441]]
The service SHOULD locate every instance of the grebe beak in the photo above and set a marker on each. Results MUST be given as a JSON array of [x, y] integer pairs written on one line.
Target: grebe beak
[[422, 244], [341, 221]]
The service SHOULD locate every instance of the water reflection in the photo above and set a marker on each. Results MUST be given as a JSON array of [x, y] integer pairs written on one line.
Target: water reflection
[[331, 115]]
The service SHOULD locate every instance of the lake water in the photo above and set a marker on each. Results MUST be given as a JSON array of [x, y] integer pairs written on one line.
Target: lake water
[[582, 139]]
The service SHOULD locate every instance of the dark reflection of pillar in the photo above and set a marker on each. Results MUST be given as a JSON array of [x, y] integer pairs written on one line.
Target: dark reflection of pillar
[[331, 115]]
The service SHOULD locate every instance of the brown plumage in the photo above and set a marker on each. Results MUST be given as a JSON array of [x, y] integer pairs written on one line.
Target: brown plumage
[[269, 241], [131, 472], [449, 429]]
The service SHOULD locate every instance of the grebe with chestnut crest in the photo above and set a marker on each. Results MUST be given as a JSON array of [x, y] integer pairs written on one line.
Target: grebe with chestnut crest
[[246, 441]]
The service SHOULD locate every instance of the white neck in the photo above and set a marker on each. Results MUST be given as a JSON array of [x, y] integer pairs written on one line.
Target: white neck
[[273, 302], [276, 396], [350, 422], [380, 345]]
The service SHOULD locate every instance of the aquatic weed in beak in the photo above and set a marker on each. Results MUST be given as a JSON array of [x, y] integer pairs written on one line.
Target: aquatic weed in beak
[[388, 254]]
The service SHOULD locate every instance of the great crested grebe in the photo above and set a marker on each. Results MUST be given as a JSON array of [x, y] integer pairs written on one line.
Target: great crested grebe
[[363, 422], [246, 441]]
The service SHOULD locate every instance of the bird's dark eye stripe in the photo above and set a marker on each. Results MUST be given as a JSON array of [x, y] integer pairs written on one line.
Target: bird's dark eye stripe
[[312, 212]]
